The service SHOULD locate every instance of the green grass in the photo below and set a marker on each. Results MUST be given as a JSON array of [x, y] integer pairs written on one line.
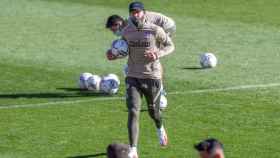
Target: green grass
[[45, 45]]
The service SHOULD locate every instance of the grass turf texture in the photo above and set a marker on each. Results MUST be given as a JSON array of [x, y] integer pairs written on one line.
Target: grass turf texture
[[45, 45]]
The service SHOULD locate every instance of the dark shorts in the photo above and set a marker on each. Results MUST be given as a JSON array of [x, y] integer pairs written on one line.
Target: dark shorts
[[136, 88]]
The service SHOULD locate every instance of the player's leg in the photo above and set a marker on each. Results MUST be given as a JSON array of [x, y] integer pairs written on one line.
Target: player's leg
[[163, 100], [151, 91], [162, 91], [133, 100]]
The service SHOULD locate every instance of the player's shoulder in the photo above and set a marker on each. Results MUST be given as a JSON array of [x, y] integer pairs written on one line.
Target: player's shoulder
[[156, 15], [153, 13]]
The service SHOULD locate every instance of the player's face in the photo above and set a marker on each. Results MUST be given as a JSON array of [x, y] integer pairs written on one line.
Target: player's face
[[137, 14], [116, 26]]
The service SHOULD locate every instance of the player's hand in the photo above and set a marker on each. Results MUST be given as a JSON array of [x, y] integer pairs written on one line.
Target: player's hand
[[151, 55], [110, 55]]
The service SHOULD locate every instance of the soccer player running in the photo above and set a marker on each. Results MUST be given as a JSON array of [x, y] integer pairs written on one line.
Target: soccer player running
[[147, 44], [116, 24]]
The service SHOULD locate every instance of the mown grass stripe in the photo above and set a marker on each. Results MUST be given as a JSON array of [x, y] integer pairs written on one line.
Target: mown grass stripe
[[121, 98]]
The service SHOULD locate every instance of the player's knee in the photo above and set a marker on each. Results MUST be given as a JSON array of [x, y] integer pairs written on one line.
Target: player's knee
[[134, 112], [152, 111]]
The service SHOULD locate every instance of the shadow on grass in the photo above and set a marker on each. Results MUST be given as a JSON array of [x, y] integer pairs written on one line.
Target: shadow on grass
[[88, 156], [142, 110], [192, 68], [71, 89], [69, 93]]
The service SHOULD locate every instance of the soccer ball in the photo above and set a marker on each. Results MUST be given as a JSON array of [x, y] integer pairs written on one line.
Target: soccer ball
[[163, 102], [119, 48], [93, 83], [114, 76], [208, 60], [109, 84], [82, 83]]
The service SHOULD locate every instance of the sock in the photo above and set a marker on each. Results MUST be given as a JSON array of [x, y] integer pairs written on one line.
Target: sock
[[161, 129], [133, 148]]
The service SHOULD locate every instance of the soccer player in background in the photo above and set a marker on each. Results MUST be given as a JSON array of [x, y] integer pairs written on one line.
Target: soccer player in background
[[147, 44], [210, 148], [116, 24]]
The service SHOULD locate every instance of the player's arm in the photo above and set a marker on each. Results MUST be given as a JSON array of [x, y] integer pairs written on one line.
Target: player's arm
[[165, 41], [167, 23], [171, 30], [169, 27], [166, 48]]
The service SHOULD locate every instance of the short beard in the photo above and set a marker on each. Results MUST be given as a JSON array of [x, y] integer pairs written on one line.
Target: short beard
[[139, 23]]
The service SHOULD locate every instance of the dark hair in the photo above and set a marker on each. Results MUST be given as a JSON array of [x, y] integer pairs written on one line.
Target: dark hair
[[112, 20], [136, 6], [209, 145], [117, 150]]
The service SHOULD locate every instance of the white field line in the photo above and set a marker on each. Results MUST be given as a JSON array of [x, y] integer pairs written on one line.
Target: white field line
[[229, 88], [122, 98], [58, 102]]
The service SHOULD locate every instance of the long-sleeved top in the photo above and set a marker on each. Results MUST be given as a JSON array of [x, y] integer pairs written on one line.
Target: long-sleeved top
[[140, 39]]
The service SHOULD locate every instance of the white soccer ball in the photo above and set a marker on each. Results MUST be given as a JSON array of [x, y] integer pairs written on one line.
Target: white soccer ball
[[208, 60], [110, 84], [113, 76], [82, 83], [93, 83], [163, 102], [119, 48]]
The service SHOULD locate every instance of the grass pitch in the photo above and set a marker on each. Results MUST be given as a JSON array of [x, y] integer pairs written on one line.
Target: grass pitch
[[46, 44]]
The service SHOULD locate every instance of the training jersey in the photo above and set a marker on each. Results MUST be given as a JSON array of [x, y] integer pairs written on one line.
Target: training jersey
[[161, 20], [148, 37]]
